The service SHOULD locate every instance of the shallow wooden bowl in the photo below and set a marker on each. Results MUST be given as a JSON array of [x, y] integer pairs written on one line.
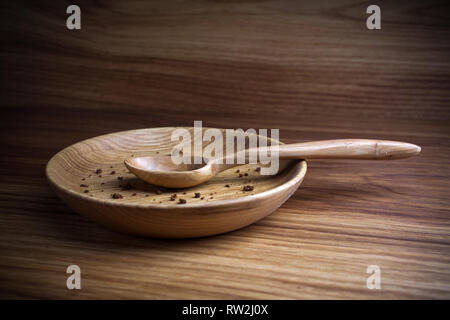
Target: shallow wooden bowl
[[87, 174]]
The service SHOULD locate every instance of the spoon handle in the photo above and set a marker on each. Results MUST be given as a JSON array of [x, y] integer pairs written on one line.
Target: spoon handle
[[365, 149], [348, 149]]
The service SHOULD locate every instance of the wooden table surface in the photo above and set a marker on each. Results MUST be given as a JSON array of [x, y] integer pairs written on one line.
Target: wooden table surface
[[310, 68]]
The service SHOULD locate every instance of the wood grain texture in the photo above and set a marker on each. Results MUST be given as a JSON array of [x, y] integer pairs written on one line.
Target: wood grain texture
[[310, 68]]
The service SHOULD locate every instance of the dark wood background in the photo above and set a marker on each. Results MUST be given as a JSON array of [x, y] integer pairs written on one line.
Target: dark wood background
[[310, 68]]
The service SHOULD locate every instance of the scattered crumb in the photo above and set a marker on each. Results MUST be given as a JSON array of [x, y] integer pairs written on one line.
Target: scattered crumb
[[181, 201], [158, 191], [83, 179], [102, 183], [128, 186], [99, 175], [240, 175], [227, 186], [197, 195], [83, 185], [146, 195], [134, 194], [258, 169], [172, 197], [246, 174], [202, 198], [86, 191], [113, 172], [248, 188], [98, 171], [116, 196], [111, 167], [103, 190], [184, 192], [119, 178]]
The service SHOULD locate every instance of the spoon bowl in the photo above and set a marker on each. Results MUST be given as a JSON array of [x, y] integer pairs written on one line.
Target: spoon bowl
[[162, 171]]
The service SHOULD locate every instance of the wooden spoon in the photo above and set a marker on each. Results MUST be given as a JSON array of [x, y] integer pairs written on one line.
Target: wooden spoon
[[162, 171]]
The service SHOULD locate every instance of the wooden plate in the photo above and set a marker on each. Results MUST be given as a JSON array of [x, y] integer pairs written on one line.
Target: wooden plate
[[147, 210]]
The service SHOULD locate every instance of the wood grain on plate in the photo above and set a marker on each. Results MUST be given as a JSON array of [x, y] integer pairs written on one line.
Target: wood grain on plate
[[310, 68]]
